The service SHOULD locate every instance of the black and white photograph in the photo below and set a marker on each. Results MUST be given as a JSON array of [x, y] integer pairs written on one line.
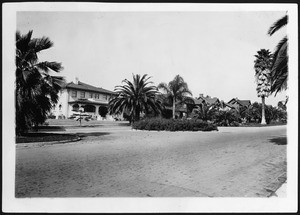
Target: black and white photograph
[[163, 107]]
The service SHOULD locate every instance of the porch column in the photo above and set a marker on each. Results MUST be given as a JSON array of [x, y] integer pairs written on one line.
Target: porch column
[[97, 111]]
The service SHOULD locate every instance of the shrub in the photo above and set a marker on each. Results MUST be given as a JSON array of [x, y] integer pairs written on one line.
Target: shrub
[[227, 118], [160, 124]]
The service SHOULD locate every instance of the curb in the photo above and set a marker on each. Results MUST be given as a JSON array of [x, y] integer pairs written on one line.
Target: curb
[[40, 144], [276, 185], [281, 192]]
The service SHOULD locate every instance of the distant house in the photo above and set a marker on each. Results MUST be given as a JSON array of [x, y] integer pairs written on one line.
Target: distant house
[[180, 108], [201, 100], [239, 104], [209, 100], [78, 95]]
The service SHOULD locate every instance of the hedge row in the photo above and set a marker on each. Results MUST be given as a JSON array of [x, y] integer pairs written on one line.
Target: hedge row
[[160, 124]]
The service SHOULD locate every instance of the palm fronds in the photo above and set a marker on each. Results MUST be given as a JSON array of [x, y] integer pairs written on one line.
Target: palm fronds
[[279, 69], [36, 90], [176, 90], [278, 25], [135, 97]]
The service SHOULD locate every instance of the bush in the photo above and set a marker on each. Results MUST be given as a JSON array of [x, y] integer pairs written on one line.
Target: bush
[[227, 118], [160, 124]]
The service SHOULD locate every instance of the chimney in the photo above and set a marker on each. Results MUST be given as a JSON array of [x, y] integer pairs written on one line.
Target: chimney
[[76, 80]]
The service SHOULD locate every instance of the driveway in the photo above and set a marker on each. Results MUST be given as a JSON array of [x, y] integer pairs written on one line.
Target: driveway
[[116, 161]]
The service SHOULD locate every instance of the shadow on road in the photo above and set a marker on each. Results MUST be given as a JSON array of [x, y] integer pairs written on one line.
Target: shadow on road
[[92, 134], [279, 140]]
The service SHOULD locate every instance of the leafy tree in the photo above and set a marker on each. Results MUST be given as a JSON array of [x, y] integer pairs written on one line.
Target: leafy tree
[[36, 90], [281, 106], [135, 97], [279, 71], [262, 65], [177, 91]]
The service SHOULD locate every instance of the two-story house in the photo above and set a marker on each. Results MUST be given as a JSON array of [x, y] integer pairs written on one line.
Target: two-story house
[[238, 104], [81, 96]]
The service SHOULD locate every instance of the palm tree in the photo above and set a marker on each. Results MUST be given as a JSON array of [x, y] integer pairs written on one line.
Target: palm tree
[[206, 111], [135, 97], [262, 65], [279, 71], [177, 90], [36, 90]]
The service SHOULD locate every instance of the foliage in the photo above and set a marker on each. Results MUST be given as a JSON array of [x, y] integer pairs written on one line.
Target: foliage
[[135, 97], [103, 111], [273, 114], [279, 71], [205, 112], [160, 124], [176, 91], [227, 118], [281, 105], [262, 65], [36, 90]]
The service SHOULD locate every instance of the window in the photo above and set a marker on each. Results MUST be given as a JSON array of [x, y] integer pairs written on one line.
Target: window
[[82, 94], [96, 96], [59, 107], [91, 95], [74, 93]]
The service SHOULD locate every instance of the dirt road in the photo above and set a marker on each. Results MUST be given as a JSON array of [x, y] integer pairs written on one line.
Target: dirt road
[[233, 162]]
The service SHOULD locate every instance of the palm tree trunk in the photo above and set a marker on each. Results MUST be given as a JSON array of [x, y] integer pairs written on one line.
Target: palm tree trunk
[[263, 117], [137, 114], [173, 109]]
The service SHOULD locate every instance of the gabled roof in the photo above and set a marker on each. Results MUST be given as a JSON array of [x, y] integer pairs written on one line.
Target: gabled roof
[[244, 102], [198, 101], [208, 99], [87, 87], [240, 102]]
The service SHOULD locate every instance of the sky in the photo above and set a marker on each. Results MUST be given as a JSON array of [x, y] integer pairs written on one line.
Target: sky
[[212, 51]]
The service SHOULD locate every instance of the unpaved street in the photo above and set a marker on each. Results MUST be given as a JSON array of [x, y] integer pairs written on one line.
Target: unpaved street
[[233, 162]]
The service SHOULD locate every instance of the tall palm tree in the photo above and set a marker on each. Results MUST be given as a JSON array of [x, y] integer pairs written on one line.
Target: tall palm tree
[[177, 90], [279, 71], [36, 90], [262, 65], [135, 97]]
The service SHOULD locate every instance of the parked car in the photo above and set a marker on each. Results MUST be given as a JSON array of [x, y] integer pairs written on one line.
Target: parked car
[[77, 116]]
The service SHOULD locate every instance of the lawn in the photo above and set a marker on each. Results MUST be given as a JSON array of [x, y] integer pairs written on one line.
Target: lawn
[[44, 137], [72, 122]]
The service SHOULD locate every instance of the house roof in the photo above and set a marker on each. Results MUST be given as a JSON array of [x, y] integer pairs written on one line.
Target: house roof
[[208, 99], [244, 102], [87, 87], [198, 101], [229, 105], [240, 102]]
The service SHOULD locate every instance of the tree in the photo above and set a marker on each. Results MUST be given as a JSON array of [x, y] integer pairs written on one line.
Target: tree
[[205, 111], [36, 90], [227, 118], [135, 97], [262, 65], [177, 91], [279, 71]]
